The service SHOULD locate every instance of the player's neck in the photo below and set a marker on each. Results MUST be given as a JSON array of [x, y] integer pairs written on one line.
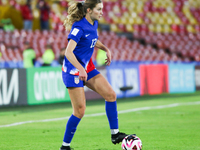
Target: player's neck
[[89, 19]]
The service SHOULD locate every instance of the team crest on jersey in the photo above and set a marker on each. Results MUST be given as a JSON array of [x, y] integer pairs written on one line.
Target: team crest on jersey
[[76, 79]]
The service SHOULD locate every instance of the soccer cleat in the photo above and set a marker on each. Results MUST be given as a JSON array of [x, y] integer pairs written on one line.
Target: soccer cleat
[[66, 148], [117, 138]]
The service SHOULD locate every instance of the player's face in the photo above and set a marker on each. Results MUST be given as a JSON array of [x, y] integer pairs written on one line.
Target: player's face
[[97, 12]]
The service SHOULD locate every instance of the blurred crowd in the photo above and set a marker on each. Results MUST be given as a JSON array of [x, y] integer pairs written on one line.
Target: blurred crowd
[[49, 14], [145, 30], [33, 15]]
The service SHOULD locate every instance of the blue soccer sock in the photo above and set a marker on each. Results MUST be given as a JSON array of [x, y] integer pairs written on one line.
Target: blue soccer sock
[[71, 128], [112, 115]]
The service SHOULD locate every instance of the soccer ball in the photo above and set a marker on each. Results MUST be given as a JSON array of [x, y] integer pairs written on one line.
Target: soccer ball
[[131, 142]]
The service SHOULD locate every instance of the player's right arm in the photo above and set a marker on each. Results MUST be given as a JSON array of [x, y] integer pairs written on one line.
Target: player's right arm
[[72, 59]]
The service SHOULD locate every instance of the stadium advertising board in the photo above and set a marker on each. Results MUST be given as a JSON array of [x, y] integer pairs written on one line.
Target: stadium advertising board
[[154, 79], [45, 85], [13, 87], [91, 95], [124, 75], [181, 78], [197, 77]]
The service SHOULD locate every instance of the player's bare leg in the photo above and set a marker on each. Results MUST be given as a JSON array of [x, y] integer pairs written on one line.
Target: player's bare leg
[[77, 97], [100, 85]]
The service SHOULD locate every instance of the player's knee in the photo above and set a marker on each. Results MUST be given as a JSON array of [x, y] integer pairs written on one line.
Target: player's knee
[[80, 111], [111, 96]]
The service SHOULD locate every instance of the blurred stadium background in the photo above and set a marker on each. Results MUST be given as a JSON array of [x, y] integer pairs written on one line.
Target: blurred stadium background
[[152, 30], [155, 46]]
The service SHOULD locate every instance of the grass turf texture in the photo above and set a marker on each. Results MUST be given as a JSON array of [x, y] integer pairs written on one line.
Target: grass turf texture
[[175, 128]]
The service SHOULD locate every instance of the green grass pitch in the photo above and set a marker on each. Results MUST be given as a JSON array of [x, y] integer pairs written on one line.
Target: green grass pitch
[[163, 122]]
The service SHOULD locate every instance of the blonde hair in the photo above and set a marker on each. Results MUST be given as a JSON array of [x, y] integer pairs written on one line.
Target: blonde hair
[[77, 10]]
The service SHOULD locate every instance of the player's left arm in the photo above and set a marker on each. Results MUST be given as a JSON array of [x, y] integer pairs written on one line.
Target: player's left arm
[[101, 46]]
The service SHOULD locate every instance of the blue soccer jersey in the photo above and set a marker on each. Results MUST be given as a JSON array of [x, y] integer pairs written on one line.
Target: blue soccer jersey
[[86, 36]]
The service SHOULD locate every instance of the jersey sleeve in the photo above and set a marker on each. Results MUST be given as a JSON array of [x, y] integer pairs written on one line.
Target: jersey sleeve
[[75, 34]]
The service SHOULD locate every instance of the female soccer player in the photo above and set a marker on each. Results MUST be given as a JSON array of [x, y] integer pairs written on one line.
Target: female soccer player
[[78, 69]]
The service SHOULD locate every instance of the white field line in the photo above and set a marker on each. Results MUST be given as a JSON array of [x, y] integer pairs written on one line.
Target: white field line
[[101, 114]]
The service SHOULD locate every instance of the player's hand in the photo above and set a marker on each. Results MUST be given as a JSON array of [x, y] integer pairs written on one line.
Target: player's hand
[[108, 59], [83, 75]]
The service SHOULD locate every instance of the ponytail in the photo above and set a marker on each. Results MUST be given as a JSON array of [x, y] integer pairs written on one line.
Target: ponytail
[[76, 12]]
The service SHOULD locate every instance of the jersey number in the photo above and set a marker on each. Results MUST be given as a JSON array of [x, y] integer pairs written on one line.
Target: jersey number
[[94, 41]]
